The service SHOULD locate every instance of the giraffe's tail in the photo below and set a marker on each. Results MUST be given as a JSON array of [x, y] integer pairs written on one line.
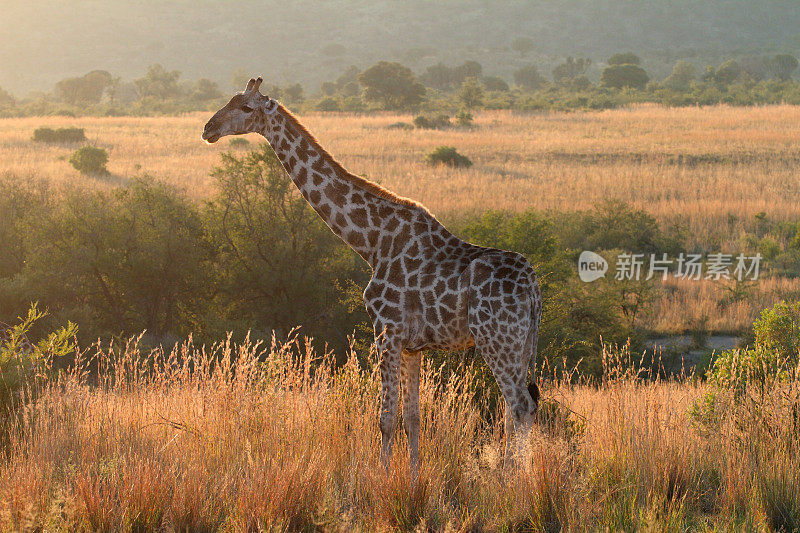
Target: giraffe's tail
[[531, 343]]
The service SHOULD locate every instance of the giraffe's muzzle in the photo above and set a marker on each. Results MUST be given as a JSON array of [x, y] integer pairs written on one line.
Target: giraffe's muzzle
[[209, 135]]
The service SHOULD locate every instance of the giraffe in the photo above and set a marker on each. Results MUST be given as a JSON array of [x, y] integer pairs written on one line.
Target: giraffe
[[428, 290]]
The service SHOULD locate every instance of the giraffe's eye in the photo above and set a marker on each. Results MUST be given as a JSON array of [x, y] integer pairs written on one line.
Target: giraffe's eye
[[247, 109]]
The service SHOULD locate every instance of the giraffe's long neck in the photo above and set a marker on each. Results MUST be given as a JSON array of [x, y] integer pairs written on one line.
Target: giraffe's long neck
[[356, 215]]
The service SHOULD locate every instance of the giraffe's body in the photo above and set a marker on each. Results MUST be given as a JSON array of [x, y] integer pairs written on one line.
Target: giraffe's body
[[429, 289]]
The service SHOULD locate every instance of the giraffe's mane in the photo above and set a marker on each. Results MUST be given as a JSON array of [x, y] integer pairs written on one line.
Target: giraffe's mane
[[362, 183]]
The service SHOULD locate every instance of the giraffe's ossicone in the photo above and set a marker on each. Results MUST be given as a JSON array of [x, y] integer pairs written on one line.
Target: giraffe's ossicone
[[429, 289]]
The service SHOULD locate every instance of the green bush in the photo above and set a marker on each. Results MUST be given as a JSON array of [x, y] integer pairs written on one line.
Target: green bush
[[279, 265], [60, 135], [778, 330], [448, 155], [774, 355], [117, 261], [432, 123], [89, 160], [21, 365], [464, 118], [329, 104], [619, 76], [400, 126]]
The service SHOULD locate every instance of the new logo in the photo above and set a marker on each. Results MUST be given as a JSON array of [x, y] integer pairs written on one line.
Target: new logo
[[591, 266]]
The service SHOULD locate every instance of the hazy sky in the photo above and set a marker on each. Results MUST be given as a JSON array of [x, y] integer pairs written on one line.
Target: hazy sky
[[45, 41]]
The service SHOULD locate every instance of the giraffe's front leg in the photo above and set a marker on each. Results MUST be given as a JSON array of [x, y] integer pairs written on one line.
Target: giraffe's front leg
[[389, 353], [410, 370]]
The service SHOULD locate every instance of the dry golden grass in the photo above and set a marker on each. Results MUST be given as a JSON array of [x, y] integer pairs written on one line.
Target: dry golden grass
[[696, 165], [224, 442], [683, 305]]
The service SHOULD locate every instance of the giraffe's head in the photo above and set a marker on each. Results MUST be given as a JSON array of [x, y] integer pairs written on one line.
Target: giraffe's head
[[242, 114]]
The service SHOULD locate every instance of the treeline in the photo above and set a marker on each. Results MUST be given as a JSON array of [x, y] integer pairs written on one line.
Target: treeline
[[255, 257], [439, 88]]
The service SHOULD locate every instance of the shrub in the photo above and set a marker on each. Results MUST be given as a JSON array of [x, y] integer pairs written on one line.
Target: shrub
[[471, 93], [255, 210], [619, 76], [570, 69], [20, 366], [139, 248], [782, 66], [464, 118], [328, 104], [778, 329], [448, 155], [683, 74], [60, 135], [774, 356], [89, 160], [529, 77], [495, 83], [432, 123]]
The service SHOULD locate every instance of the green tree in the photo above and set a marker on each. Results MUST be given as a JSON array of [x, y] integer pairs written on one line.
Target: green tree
[[523, 45], [467, 69], [728, 72], [627, 58], [755, 67], [782, 66], [294, 93], [439, 77], [529, 77], [619, 76], [87, 89], [683, 74], [17, 203], [159, 83], [119, 262], [570, 69], [205, 90], [471, 93], [616, 225], [495, 83], [392, 85], [279, 265], [347, 83]]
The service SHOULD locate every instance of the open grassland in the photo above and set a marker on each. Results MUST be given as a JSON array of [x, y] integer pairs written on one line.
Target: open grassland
[[195, 441], [710, 169], [717, 172]]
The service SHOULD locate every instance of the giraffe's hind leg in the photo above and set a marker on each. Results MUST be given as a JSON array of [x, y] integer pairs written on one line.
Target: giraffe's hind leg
[[409, 376], [389, 352], [503, 321]]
